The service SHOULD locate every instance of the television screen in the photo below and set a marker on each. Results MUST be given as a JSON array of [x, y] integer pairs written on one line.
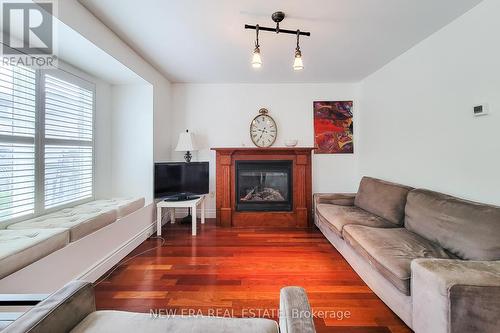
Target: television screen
[[179, 177]]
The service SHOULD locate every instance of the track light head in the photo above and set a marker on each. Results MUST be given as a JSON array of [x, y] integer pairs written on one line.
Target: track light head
[[256, 59], [297, 62]]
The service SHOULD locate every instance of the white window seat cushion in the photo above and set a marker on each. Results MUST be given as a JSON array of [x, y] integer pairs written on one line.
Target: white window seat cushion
[[84, 219], [20, 248], [81, 221], [123, 206]]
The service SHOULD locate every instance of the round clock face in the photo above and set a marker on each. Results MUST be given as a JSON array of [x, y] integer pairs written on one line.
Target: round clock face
[[263, 130]]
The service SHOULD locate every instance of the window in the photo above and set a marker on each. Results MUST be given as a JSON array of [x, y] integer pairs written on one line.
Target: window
[[68, 142], [17, 141], [46, 141]]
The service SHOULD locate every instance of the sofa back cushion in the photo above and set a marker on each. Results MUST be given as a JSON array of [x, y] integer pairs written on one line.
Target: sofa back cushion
[[467, 229], [382, 198]]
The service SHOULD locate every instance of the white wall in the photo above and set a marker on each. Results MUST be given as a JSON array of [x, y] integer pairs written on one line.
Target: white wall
[[162, 122], [132, 141], [416, 125], [220, 116]]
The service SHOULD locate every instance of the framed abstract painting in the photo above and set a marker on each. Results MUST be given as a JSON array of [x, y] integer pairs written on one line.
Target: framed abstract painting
[[333, 127]]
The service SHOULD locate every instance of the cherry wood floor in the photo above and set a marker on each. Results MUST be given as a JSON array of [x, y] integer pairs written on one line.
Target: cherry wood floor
[[228, 271]]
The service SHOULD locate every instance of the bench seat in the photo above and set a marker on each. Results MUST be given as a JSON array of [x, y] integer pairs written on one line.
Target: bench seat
[[23, 243], [123, 206], [20, 248], [80, 221], [83, 219]]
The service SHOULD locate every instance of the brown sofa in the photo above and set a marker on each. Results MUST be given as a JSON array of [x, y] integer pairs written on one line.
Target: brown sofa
[[432, 258]]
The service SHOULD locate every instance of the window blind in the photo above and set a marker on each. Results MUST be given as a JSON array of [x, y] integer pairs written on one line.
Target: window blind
[[68, 142], [17, 141]]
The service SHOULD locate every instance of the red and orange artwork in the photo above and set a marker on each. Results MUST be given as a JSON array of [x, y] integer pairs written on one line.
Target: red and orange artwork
[[333, 127]]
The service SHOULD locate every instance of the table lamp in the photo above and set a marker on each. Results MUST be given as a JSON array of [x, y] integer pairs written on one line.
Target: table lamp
[[186, 143]]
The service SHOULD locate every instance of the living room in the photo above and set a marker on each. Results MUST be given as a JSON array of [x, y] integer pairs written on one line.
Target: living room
[[250, 166]]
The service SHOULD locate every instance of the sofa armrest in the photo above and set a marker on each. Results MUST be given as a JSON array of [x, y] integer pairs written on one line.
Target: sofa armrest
[[60, 312], [455, 295], [341, 199], [295, 313]]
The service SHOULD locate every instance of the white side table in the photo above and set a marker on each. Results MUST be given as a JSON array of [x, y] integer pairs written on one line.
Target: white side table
[[172, 205]]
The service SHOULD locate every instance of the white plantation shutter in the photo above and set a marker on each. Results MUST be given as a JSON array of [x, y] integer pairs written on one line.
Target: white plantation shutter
[[68, 140], [46, 141], [17, 141]]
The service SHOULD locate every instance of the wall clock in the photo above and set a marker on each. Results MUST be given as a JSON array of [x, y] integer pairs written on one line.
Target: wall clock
[[263, 130]]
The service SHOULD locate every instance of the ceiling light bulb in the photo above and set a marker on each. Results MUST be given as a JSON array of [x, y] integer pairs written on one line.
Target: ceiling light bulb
[[256, 59], [297, 63]]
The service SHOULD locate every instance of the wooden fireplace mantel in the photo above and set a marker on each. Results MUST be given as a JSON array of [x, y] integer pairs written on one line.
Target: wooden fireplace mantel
[[226, 213]]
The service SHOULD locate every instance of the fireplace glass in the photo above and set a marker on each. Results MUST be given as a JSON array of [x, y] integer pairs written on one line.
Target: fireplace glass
[[264, 185]]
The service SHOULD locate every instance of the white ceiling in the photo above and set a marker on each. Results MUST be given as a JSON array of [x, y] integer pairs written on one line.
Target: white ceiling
[[204, 41]]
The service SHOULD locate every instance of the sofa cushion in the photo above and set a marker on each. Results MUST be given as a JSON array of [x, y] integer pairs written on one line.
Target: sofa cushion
[[118, 321], [339, 216], [123, 206], [391, 251], [19, 248], [467, 229], [382, 198], [81, 221]]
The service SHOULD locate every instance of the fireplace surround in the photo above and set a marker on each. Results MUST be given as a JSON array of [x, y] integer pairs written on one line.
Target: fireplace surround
[[259, 187]]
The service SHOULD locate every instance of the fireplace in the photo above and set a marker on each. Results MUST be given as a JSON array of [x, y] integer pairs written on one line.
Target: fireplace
[[263, 186]]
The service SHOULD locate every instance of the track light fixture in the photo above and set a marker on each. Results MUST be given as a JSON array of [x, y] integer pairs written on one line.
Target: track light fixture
[[277, 17], [256, 59], [297, 62]]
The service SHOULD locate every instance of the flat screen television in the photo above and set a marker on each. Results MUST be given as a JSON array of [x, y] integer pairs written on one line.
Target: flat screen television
[[180, 180]]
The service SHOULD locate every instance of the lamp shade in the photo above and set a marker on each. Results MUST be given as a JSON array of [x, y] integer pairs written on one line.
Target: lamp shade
[[186, 142]]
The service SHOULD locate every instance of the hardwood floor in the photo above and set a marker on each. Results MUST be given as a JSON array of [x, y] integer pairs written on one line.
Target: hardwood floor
[[227, 271]]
